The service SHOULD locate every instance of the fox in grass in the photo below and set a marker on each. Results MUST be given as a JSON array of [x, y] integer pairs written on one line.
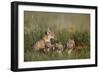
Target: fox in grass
[[70, 45], [41, 44]]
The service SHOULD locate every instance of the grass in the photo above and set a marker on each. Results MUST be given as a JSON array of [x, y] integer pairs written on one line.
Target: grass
[[33, 56], [36, 23]]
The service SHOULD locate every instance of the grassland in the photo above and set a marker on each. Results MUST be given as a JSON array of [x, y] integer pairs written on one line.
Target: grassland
[[65, 26]]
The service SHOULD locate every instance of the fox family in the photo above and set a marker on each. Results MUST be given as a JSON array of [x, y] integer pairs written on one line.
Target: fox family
[[46, 45]]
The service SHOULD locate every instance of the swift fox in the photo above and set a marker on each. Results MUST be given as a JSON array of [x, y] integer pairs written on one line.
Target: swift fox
[[41, 44], [59, 48], [70, 45]]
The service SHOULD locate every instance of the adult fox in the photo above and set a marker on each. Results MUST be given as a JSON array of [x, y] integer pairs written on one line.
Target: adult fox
[[41, 44]]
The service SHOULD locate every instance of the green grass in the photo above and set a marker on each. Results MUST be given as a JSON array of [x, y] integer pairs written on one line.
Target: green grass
[[66, 26], [81, 38], [84, 53]]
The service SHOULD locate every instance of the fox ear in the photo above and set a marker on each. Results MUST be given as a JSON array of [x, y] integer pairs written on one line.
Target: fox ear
[[48, 32]]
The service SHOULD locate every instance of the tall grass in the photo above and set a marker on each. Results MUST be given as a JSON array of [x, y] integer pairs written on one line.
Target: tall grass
[[36, 23]]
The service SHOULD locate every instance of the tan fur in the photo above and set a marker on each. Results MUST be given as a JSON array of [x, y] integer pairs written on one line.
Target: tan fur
[[59, 46], [40, 45], [70, 45]]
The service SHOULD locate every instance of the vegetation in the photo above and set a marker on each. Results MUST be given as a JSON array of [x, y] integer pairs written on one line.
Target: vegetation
[[65, 25]]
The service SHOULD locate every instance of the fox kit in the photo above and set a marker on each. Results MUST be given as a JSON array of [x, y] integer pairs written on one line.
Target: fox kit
[[70, 45], [41, 44], [59, 48]]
